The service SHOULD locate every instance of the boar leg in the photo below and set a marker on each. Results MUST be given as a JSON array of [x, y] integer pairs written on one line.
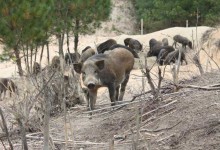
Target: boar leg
[[117, 93], [112, 94], [123, 86], [92, 99]]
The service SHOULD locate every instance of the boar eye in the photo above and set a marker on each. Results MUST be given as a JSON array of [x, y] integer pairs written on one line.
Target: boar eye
[[83, 73], [96, 71]]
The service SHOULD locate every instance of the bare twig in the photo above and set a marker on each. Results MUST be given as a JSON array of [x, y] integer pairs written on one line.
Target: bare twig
[[198, 64], [3, 144], [23, 134], [211, 59], [163, 106], [6, 129]]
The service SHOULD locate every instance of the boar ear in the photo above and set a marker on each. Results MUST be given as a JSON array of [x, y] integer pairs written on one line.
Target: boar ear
[[100, 64], [77, 67]]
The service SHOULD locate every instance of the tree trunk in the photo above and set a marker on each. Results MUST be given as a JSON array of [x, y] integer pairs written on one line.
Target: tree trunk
[[31, 61], [41, 55], [24, 54], [67, 41], [46, 117], [76, 36], [48, 54], [60, 41], [35, 57], [23, 134], [27, 58], [18, 61], [68, 46]]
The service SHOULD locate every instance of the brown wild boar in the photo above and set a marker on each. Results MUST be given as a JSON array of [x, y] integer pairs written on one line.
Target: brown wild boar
[[86, 54], [111, 70], [36, 68], [87, 47], [7, 84]]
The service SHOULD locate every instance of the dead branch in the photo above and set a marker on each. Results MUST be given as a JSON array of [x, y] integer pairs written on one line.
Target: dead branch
[[198, 63], [3, 144], [6, 129], [207, 88], [167, 128], [163, 106], [147, 74], [23, 134], [3, 134], [211, 59], [118, 106], [60, 141]]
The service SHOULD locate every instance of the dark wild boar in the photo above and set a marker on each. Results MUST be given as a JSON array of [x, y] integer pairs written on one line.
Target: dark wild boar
[[160, 52], [173, 57], [7, 84], [182, 40], [71, 58], [125, 47], [165, 42], [105, 45], [110, 70], [134, 44], [154, 44]]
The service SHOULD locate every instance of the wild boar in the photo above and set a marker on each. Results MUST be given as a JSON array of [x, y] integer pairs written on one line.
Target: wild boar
[[134, 44], [105, 45], [128, 48], [7, 84], [156, 51], [87, 47], [110, 70], [173, 56], [154, 44], [86, 54], [182, 40], [165, 42], [55, 64], [36, 68], [71, 57]]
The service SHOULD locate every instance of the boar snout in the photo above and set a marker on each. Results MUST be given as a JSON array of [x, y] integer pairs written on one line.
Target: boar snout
[[91, 85]]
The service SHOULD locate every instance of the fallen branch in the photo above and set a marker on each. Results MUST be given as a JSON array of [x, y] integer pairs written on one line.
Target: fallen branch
[[207, 88], [118, 106], [58, 141], [167, 128], [166, 105]]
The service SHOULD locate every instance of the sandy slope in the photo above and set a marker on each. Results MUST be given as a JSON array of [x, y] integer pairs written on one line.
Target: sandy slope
[[8, 68]]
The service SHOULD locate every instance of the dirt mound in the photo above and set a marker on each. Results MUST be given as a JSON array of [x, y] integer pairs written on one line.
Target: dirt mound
[[188, 119], [210, 48]]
